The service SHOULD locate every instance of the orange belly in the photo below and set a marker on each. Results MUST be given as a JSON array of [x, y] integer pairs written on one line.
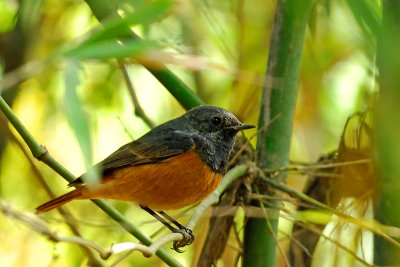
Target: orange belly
[[174, 183]]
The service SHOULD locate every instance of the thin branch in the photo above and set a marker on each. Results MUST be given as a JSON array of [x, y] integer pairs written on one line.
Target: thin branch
[[147, 251], [319, 174], [125, 128], [22, 73], [139, 112], [373, 226], [321, 234], [35, 223], [293, 192], [309, 167], [297, 242]]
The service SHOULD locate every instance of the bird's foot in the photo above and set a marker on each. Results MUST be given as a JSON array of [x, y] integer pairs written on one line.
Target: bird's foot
[[187, 239]]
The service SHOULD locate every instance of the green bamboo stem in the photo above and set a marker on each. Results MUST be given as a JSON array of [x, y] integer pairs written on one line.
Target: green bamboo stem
[[277, 109], [40, 153], [102, 9], [387, 125]]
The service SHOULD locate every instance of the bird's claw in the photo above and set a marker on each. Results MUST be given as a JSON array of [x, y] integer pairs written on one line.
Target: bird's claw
[[187, 239]]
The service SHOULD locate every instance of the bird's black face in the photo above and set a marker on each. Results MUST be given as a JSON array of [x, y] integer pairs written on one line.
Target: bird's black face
[[213, 130], [219, 124], [214, 134]]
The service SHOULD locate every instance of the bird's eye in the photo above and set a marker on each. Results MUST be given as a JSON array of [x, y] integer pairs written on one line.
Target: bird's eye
[[216, 120]]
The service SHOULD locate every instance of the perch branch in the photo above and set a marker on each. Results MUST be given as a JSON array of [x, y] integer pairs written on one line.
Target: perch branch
[[35, 223]]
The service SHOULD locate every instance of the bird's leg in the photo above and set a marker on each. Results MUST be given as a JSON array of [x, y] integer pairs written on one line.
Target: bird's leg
[[159, 218], [188, 236], [172, 220]]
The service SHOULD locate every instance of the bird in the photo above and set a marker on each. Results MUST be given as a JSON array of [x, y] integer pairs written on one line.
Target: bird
[[174, 165]]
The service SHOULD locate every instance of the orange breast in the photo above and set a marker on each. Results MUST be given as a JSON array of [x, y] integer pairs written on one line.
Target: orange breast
[[171, 184]]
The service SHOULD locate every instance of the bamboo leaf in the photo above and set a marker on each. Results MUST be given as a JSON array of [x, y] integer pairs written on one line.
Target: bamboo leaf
[[116, 27], [76, 116], [108, 49], [104, 44], [366, 14]]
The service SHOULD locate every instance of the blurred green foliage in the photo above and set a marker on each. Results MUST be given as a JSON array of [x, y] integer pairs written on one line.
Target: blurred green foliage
[[77, 104]]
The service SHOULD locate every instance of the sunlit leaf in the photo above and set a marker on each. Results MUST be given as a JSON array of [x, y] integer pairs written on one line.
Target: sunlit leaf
[[366, 15], [117, 27], [111, 49], [76, 116], [103, 44], [314, 216]]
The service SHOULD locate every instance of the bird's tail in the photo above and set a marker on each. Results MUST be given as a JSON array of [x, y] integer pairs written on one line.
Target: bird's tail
[[59, 201]]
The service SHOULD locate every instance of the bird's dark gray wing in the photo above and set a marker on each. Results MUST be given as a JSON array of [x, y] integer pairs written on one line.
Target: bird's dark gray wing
[[156, 146]]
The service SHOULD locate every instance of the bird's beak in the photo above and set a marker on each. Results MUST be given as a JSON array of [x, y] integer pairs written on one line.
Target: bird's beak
[[240, 127]]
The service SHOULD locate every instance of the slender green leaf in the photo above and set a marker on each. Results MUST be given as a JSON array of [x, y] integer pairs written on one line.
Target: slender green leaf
[[111, 49], [367, 15], [77, 117], [146, 14]]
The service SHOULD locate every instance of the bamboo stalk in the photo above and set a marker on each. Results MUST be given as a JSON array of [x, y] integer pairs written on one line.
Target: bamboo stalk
[[387, 124], [278, 101]]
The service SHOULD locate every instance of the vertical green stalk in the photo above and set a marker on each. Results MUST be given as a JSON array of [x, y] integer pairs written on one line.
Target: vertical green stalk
[[276, 119], [387, 123]]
